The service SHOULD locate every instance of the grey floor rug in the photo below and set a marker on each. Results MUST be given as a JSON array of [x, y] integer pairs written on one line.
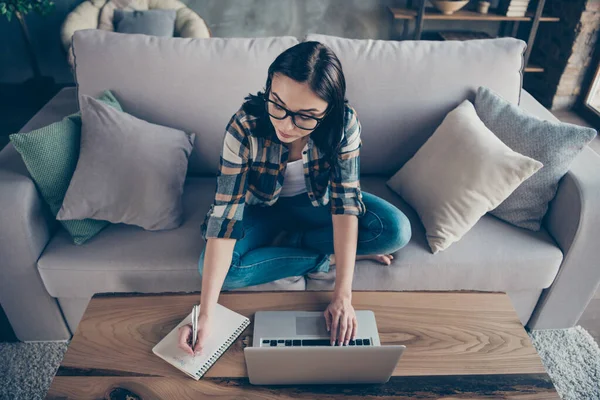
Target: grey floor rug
[[571, 357], [27, 369]]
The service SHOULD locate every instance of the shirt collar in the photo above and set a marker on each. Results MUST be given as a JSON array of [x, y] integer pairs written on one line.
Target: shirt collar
[[310, 144]]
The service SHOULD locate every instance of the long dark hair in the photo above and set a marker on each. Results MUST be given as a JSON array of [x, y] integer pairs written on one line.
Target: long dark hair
[[318, 66]]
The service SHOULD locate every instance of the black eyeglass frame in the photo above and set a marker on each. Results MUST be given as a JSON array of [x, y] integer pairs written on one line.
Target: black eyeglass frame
[[293, 114]]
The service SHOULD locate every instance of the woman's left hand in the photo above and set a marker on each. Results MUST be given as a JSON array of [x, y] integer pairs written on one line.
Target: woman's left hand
[[341, 320]]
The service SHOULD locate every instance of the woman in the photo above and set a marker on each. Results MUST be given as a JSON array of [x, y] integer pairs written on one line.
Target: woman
[[290, 162]]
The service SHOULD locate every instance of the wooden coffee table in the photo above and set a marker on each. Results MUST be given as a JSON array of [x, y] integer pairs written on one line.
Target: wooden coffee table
[[459, 345]]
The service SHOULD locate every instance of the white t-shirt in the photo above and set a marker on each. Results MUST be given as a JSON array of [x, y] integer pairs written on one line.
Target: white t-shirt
[[293, 181]]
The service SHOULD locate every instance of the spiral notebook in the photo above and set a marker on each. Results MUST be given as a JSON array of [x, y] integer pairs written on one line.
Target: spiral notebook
[[227, 326]]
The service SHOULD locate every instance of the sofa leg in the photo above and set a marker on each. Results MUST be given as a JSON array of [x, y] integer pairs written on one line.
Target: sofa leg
[[73, 309], [50, 325], [524, 302]]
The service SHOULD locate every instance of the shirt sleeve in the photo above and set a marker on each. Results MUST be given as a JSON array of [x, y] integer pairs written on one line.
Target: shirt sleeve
[[224, 219], [345, 195]]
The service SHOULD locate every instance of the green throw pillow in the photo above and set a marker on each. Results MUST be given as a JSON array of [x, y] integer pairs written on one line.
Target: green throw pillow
[[50, 155]]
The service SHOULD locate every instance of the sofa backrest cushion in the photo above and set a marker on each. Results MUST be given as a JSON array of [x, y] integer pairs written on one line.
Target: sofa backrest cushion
[[194, 85], [402, 91]]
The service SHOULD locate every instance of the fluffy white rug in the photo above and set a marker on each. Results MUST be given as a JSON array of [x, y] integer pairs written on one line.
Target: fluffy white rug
[[27, 369], [572, 359]]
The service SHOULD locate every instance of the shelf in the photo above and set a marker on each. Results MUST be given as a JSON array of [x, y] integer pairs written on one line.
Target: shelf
[[463, 35], [534, 68], [462, 15], [547, 19], [431, 13]]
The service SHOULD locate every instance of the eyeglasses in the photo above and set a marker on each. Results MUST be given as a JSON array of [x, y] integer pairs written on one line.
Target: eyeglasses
[[302, 121]]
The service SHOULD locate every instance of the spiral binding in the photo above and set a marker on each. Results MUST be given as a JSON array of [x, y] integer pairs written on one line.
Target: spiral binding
[[209, 363]]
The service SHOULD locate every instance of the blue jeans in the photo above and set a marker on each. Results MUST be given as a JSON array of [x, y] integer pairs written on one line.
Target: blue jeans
[[383, 229]]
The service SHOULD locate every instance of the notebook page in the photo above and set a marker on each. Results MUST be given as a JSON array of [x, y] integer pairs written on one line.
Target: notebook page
[[225, 323]]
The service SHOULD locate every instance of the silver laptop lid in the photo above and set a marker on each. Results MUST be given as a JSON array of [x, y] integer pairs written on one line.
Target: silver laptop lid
[[321, 365]]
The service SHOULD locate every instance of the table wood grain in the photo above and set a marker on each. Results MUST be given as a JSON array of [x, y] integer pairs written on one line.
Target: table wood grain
[[460, 345]]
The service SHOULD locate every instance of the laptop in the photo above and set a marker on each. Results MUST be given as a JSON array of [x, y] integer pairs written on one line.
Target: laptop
[[293, 347]]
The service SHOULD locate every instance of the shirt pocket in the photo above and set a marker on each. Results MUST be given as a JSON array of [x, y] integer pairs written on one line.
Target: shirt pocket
[[320, 178], [263, 180]]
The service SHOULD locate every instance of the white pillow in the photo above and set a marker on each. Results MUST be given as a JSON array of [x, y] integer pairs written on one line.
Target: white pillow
[[459, 174]]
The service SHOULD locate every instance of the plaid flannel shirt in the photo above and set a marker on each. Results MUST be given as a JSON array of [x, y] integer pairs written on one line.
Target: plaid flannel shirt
[[252, 171]]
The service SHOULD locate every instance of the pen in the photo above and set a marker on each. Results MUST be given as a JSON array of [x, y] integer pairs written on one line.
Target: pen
[[194, 326]]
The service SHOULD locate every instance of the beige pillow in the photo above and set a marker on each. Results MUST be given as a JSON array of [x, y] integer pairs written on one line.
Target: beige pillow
[[459, 174]]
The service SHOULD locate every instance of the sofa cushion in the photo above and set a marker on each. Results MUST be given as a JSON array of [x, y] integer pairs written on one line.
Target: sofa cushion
[[143, 182], [460, 173], [492, 256], [148, 22], [555, 144], [194, 85], [403, 90], [50, 154], [126, 258], [107, 12]]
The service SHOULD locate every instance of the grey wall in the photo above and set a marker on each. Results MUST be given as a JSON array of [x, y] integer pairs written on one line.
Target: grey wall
[[14, 64], [226, 18], [354, 18]]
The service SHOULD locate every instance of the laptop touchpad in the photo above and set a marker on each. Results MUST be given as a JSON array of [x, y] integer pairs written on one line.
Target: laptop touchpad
[[311, 326]]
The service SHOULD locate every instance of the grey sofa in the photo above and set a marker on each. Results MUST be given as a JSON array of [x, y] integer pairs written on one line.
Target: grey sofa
[[401, 91]]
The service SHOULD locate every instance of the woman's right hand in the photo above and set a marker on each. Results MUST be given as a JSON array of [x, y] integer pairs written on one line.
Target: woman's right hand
[[185, 335]]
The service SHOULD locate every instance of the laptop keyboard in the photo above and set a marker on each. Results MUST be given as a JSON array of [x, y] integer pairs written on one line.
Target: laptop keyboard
[[310, 342]]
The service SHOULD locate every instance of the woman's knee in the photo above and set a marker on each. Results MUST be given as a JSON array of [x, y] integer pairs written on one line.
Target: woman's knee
[[387, 224], [402, 231], [397, 231]]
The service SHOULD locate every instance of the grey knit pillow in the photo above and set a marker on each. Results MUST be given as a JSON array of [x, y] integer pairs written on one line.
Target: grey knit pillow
[[554, 144]]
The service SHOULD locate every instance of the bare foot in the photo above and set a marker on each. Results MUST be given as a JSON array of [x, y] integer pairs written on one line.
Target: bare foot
[[382, 258]]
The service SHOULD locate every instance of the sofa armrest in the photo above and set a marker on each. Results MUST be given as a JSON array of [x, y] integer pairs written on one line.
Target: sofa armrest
[[26, 226], [573, 220]]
